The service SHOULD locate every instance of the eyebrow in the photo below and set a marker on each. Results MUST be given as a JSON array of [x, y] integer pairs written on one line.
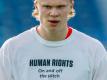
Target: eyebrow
[[61, 5]]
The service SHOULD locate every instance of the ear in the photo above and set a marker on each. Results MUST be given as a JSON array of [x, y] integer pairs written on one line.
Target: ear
[[71, 4], [36, 5], [35, 11]]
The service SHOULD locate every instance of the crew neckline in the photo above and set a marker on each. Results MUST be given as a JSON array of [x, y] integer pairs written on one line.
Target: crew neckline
[[51, 43]]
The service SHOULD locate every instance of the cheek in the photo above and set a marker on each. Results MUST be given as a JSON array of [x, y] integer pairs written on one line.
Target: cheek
[[64, 13], [43, 15], [43, 12]]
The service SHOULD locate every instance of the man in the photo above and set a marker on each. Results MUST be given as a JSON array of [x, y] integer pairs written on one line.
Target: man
[[52, 50]]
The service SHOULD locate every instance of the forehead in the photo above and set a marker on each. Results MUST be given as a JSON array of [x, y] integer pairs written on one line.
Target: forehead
[[54, 2]]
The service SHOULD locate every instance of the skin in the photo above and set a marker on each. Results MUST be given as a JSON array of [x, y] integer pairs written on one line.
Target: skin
[[53, 19]]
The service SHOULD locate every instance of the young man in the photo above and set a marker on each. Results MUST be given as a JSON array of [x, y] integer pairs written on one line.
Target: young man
[[52, 50]]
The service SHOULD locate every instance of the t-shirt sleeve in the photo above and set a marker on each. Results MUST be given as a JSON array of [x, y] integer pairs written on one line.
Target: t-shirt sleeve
[[100, 71], [5, 64]]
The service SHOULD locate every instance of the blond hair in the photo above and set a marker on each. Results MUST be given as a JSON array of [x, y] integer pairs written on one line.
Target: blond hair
[[35, 13]]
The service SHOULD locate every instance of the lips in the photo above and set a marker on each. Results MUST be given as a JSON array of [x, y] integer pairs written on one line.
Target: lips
[[54, 21]]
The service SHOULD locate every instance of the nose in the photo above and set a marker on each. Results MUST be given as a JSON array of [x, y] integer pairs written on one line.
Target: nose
[[54, 12]]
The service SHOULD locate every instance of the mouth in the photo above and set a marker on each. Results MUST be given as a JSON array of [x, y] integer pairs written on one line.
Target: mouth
[[54, 21]]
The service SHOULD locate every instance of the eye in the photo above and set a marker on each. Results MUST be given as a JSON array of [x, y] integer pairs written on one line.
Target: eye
[[61, 6], [47, 6]]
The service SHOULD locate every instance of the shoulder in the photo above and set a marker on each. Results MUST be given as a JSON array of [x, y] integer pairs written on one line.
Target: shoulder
[[90, 45], [85, 39], [18, 40]]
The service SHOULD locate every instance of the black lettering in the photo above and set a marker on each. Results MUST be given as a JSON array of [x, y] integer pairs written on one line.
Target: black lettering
[[71, 63], [31, 62]]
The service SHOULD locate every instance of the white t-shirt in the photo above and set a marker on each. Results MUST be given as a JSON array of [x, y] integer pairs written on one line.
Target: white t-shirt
[[30, 57]]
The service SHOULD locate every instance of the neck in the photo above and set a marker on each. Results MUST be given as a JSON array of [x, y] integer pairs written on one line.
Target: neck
[[55, 35]]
